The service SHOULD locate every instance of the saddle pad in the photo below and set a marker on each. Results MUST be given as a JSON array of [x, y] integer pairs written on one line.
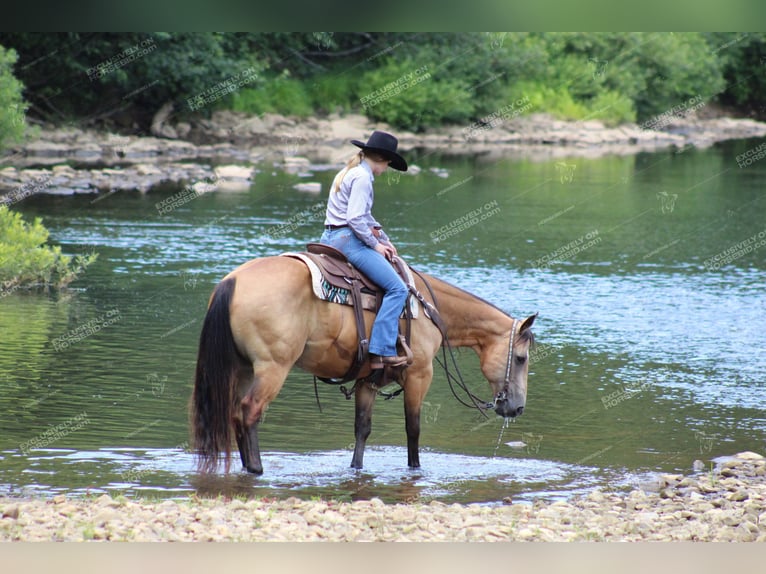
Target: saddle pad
[[326, 292]]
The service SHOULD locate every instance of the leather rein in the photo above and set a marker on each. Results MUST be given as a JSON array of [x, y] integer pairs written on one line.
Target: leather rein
[[432, 312]]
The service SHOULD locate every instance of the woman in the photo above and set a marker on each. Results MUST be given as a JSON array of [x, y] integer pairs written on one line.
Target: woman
[[351, 228]]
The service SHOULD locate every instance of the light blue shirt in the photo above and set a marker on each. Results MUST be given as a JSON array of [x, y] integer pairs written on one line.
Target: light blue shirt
[[352, 204]]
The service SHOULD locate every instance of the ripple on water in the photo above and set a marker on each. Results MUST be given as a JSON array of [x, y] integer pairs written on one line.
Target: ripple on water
[[169, 473]]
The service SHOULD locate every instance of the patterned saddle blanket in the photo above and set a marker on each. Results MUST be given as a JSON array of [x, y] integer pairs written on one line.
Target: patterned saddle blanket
[[333, 277]]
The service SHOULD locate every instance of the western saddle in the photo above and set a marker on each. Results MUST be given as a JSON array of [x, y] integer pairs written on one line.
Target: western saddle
[[342, 283]]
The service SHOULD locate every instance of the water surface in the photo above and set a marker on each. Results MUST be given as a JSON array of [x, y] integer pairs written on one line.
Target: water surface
[[650, 333]]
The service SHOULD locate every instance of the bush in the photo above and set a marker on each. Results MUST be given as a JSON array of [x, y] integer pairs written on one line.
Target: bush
[[657, 71], [282, 95], [333, 92], [12, 107], [743, 56], [24, 259], [414, 96]]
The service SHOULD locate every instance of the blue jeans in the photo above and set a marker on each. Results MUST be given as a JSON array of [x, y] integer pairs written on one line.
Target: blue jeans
[[385, 329]]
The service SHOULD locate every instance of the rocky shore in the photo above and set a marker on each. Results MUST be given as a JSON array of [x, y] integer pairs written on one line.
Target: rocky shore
[[727, 503], [73, 160]]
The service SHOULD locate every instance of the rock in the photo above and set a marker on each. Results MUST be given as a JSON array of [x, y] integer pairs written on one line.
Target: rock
[[309, 187], [107, 501], [297, 161], [738, 496], [202, 187], [229, 172], [183, 129], [748, 455], [147, 169], [11, 511]]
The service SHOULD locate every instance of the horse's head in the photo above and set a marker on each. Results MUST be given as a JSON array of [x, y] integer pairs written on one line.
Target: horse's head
[[505, 363]]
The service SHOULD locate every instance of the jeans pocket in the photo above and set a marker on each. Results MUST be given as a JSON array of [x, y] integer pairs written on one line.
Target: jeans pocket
[[338, 239]]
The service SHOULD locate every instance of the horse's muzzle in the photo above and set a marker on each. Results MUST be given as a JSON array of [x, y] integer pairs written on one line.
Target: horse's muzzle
[[505, 409]]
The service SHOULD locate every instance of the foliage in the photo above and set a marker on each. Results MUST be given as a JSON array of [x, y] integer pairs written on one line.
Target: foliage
[[124, 76], [25, 260], [408, 94], [743, 56], [12, 106], [614, 77], [282, 95], [656, 71]]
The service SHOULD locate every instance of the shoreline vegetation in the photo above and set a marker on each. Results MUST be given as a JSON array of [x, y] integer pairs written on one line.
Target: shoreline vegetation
[[726, 503]]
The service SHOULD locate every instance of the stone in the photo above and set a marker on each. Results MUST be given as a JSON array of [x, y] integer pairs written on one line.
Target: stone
[[107, 501], [738, 495], [228, 172], [748, 455], [11, 511], [309, 187]]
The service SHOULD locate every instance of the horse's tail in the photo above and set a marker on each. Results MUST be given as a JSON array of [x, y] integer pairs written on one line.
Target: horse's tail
[[215, 382]]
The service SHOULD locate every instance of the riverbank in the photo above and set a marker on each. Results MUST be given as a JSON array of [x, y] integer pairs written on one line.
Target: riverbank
[[727, 503], [72, 160]]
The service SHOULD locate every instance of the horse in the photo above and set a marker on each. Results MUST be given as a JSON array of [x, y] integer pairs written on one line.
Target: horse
[[263, 318]]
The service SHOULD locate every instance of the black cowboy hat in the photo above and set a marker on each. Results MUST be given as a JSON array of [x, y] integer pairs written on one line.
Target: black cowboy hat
[[384, 144]]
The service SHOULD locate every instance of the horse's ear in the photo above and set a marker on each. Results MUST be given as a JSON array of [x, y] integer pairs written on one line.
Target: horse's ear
[[527, 324]]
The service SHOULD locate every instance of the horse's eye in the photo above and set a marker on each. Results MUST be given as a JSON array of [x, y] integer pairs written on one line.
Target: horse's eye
[[521, 359]]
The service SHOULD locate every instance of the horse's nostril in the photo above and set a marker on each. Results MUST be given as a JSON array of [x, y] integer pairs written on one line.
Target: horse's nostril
[[519, 411]]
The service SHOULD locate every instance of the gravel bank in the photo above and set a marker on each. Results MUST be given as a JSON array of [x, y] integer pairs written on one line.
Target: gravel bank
[[725, 504]]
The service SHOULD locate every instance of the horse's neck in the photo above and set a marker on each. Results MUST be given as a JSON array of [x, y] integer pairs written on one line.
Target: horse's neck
[[470, 321]]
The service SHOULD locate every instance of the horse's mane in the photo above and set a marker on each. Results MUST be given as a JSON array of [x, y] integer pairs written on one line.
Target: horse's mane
[[524, 336]]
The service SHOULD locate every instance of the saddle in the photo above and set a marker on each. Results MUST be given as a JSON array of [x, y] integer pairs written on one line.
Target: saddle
[[336, 280]]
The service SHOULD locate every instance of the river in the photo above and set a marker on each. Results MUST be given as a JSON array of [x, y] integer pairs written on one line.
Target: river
[[648, 273]]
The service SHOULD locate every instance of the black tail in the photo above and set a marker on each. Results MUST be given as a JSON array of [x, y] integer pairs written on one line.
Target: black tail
[[215, 394]]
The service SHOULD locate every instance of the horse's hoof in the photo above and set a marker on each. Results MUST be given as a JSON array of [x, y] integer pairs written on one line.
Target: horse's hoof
[[252, 470]]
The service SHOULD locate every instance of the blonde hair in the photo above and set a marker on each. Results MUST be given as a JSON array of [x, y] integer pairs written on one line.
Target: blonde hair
[[355, 160]]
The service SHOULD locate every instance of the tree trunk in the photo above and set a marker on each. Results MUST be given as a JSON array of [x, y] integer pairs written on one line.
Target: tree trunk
[[159, 128]]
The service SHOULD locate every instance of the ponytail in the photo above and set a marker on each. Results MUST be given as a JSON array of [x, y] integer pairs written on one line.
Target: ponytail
[[352, 163], [355, 160]]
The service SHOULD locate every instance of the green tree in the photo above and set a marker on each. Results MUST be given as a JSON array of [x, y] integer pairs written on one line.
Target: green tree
[[129, 77], [12, 106], [743, 57]]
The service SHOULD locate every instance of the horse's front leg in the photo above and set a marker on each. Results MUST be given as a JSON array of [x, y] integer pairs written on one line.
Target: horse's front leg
[[365, 399], [415, 390]]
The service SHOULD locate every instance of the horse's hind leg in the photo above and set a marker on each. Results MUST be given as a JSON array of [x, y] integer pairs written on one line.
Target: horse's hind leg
[[365, 399], [257, 389], [249, 451]]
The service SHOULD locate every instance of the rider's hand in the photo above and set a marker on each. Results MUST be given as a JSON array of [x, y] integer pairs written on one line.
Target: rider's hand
[[387, 251]]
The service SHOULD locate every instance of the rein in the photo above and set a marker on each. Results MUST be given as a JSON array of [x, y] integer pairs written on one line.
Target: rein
[[432, 312]]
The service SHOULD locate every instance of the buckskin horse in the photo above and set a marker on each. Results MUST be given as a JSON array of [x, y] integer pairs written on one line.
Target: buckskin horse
[[263, 318]]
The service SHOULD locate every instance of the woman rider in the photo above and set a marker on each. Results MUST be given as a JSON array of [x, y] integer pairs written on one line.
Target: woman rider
[[351, 228]]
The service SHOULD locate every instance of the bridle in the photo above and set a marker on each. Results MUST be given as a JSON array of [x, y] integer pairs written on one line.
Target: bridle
[[431, 311], [503, 394]]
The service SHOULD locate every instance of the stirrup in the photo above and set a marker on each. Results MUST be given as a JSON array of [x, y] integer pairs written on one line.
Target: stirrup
[[393, 361]]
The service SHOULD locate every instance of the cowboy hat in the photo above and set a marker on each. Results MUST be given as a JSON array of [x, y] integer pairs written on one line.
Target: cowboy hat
[[384, 144]]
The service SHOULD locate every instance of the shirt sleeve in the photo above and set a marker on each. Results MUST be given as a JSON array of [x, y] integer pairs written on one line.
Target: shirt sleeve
[[358, 213]]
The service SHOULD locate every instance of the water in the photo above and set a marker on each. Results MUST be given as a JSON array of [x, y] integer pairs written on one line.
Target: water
[[648, 356]]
